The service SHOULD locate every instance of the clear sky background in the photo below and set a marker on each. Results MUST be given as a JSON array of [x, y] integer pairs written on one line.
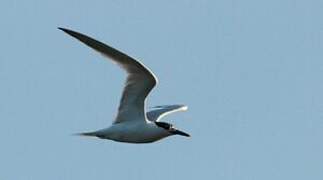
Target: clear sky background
[[250, 71]]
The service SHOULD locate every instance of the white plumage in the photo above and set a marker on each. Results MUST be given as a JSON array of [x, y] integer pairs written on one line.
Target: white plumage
[[132, 124]]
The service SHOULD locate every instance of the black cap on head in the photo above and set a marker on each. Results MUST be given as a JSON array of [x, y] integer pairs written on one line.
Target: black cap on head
[[164, 125], [170, 128]]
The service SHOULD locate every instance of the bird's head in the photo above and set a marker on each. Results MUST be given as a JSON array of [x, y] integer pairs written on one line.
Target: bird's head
[[171, 129]]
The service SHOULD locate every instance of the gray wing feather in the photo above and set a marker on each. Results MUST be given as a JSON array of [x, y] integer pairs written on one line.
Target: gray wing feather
[[140, 80], [160, 111]]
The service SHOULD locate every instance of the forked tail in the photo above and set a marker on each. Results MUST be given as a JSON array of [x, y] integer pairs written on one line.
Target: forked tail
[[86, 134], [92, 134]]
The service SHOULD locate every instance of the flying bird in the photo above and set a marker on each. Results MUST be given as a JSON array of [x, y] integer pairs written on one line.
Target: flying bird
[[132, 123]]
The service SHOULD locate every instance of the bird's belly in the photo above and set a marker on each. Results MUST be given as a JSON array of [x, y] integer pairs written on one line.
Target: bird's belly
[[135, 135]]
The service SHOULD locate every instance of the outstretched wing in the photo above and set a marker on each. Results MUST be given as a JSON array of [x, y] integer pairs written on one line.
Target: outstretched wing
[[160, 111], [140, 80]]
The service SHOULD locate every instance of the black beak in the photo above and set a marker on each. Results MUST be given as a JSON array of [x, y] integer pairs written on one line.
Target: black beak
[[178, 132]]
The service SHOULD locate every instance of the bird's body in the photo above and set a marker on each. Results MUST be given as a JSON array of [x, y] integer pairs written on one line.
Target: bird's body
[[131, 132], [133, 124]]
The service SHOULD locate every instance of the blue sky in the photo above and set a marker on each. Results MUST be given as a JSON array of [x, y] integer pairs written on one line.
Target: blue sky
[[250, 71]]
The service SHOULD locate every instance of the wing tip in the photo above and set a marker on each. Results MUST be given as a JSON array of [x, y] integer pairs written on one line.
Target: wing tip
[[68, 31], [180, 106], [63, 29]]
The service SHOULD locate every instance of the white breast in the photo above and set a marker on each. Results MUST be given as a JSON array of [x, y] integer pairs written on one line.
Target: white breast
[[134, 132]]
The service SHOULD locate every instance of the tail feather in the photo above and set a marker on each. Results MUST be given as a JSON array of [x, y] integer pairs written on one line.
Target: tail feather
[[87, 134], [92, 134]]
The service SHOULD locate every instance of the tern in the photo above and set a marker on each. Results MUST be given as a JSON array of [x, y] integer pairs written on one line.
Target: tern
[[132, 123]]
